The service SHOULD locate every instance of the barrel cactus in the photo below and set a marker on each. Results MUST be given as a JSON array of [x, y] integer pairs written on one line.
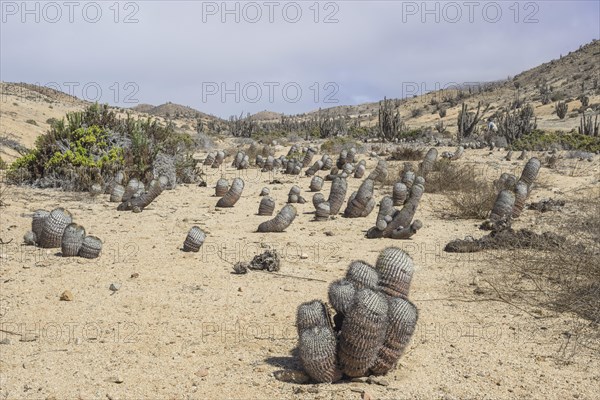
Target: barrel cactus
[[116, 195], [521, 192], [221, 187], [233, 194], [194, 239], [72, 240], [54, 226], [316, 183], [90, 247], [266, 206], [37, 222], [359, 172], [399, 193], [264, 191], [281, 221], [530, 171]]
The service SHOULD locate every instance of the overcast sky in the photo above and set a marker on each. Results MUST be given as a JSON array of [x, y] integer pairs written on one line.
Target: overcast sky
[[292, 57]]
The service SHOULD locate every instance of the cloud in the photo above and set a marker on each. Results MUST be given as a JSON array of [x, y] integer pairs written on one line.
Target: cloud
[[301, 56]]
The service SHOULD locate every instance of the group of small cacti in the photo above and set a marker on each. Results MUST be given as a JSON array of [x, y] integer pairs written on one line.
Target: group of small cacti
[[512, 194], [56, 229], [456, 155], [135, 196], [373, 324], [241, 160]]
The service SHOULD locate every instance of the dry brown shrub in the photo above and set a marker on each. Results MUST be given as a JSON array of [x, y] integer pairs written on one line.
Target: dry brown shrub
[[470, 195], [407, 154]]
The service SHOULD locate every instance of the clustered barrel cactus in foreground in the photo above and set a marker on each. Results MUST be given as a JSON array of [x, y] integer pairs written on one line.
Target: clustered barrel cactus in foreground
[[56, 229], [373, 324]]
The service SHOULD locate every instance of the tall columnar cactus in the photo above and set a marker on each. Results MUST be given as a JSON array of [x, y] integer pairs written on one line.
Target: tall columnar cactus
[[428, 162], [266, 206], [281, 221], [233, 194], [339, 186], [361, 202], [374, 321]]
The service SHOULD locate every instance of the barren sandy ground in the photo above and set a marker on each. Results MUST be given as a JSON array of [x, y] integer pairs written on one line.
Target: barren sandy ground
[[188, 328]]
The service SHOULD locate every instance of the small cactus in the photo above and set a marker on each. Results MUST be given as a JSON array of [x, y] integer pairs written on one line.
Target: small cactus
[[219, 157], [72, 240], [316, 183], [458, 153], [336, 195], [523, 155], [281, 221], [428, 162], [233, 194], [37, 222], [90, 247], [314, 168], [359, 172], [264, 192], [506, 181], [116, 195], [210, 158], [521, 192], [194, 240], [266, 206], [341, 295], [362, 275], [317, 352], [399, 193], [380, 173], [221, 187]]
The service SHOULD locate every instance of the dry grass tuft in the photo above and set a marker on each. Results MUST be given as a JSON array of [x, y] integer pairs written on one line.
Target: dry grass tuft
[[407, 154], [564, 280], [470, 195]]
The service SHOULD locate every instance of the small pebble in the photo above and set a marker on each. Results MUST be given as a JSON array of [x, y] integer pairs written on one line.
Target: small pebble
[[66, 296], [115, 286], [202, 372], [135, 275], [5, 341]]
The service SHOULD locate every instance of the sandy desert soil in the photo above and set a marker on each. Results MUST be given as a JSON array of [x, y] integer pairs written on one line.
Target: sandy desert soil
[[186, 328]]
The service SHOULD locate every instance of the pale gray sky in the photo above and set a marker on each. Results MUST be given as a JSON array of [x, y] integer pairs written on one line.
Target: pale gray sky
[[283, 56]]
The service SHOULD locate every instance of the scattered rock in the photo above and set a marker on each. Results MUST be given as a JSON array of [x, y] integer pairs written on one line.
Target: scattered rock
[[135, 275], [240, 267], [5, 341], [328, 233], [66, 296], [367, 396], [115, 286], [201, 373], [303, 256]]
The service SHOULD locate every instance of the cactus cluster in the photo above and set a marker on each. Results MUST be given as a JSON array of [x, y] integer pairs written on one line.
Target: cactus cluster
[[331, 206], [361, 202], [282, 220], [56, 229], [512, 194], [398, 224], [142, 198], [294, 196], [374, 321], [241, 160]]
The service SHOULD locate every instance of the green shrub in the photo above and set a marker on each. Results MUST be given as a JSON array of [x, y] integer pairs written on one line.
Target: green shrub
[[335, 145], [91, 145], [540, 140]]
